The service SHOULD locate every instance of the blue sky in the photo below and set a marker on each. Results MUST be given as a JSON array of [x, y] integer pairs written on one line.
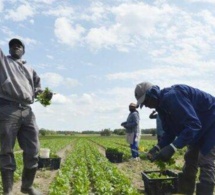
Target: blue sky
[[92, 53]]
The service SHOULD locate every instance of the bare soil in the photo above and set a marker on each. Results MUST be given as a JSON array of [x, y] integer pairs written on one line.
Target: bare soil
[[43, 177]]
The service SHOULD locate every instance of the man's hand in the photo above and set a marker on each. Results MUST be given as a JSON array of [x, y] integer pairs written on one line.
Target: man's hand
[[165, 154], [49, 95], [152, 152], [44, 97], [123, 124]]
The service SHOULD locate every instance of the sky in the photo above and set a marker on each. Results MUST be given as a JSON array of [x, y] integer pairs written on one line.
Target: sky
[[92, 54]]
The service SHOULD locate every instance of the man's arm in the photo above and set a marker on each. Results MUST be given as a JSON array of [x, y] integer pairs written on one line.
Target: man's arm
[[153, 115], [134, 122], [37, 84]]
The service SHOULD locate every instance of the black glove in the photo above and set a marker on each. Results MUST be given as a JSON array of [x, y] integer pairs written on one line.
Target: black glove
[[39, 91], [165, 154], [123, 124], [152, 152], [49, 95]]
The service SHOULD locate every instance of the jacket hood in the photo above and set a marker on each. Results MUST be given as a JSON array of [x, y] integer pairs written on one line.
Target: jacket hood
[[154, 92]]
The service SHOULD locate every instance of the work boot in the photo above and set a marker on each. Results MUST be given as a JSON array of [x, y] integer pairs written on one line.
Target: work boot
[[186, 185], [7, 181], [28, 176], [204, 189]]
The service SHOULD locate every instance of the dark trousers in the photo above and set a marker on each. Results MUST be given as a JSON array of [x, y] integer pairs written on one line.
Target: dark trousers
[[194, 159], [18, 122]]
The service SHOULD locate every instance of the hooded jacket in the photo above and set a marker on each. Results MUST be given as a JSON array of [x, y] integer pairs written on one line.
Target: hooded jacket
[[188, 116], [18, 82]]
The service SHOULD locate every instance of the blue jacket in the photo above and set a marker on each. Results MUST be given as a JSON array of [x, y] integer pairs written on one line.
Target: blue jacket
[[188, 116]]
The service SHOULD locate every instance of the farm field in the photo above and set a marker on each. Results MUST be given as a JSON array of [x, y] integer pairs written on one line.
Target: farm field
[[86, 170]]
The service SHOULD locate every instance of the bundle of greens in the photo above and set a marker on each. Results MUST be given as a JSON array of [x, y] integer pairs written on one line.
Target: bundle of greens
[[44, 97], [163, 165]]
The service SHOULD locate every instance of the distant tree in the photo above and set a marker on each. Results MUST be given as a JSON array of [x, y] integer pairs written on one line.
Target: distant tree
[[105, 132], [90, 132], [119, 131], [149, 131], [42, 132]]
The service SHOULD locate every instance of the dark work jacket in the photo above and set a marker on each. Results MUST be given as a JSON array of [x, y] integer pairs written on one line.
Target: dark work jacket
[[188, 116]]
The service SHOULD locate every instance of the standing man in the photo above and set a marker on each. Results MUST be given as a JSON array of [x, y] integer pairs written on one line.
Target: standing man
[[132, 130], [159, 128], [19, 86], [188, 118]]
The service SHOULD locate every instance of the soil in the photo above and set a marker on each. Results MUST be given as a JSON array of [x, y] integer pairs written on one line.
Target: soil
[[132, 169], [43, 177]]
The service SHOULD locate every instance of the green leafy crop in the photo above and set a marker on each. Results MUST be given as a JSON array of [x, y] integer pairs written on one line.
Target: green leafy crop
[[163, 165], [44, 97]]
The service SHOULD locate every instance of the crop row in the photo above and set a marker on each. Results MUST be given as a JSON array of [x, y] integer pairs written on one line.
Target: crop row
[[86, 171]]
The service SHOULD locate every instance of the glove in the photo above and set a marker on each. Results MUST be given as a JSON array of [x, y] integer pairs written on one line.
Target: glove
[[165, 154], [38, 91], [49, 95], [123, 124], [152, 152]]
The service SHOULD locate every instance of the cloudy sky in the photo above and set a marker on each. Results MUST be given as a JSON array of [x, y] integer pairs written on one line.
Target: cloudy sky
[[92, 53]]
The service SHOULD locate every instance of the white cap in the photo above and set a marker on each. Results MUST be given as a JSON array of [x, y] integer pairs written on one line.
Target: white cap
[[140, 91]]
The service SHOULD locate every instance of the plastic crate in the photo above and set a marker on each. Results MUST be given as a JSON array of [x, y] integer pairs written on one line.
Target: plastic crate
[[49, 163], [55, 163], [160, 186], [114, 157]]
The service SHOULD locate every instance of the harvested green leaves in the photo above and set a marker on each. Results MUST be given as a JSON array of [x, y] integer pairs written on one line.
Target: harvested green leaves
[[163, 165], [44, 97]]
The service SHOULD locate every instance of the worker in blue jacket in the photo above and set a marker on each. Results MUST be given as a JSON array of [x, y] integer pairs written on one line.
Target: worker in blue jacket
[[188, 119]]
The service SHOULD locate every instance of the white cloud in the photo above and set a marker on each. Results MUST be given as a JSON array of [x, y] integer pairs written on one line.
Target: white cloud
[[133, 23], [21, 13], [1, 5], [60, 99], [45, 1], [208, 17], [101, 37], [61, 11], [203, 1], [52, 79], [66, 33], [86, 99], [173, 74], [56, 80], [96, 12]]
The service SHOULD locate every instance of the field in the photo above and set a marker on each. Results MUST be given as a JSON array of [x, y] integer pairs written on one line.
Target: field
[[86, 171]]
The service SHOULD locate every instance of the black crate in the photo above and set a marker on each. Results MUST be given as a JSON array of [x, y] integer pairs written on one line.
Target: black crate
[[43, 163], [49, 163], [55, 163], [114, 157], [160, 186]]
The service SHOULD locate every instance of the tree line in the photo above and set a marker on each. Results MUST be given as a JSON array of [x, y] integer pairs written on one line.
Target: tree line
[[103, 132]]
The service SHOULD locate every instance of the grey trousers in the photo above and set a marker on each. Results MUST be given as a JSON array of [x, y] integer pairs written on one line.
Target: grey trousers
[[18, 122], [194, 159]]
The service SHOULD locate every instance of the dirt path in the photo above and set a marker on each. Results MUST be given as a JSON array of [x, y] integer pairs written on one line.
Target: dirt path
[[43, 177], [132, 169]]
